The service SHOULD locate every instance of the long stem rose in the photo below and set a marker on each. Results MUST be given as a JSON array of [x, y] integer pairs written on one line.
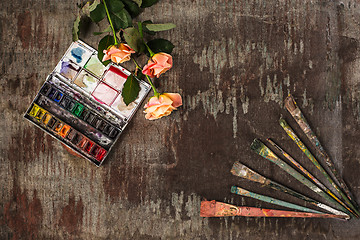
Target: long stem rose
[[158, 107], [118, 53], [158, 64], [111, 24]]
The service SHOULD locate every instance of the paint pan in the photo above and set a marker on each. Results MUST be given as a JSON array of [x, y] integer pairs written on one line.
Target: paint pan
[[95, 66], [220, 209], [78, 103], [296, 113], [86, 81]]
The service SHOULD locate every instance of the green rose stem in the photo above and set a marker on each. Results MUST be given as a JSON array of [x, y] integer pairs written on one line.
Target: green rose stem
[[156, 94], [142, 37], [151, 52], [111, 24]]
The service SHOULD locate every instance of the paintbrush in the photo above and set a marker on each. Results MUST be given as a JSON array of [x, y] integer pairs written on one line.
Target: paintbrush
[[296, 113], [243, 171], [266, 153], [301, 145], [304, 171], [246, 193], [219, 209]]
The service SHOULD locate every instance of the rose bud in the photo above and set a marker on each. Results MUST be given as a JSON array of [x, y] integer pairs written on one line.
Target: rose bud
[[162, 106], [118, 53], [158, 64]]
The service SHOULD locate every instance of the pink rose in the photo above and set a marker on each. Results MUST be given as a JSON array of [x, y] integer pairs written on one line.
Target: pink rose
[[118, 54], [162, 106], [158, 64]]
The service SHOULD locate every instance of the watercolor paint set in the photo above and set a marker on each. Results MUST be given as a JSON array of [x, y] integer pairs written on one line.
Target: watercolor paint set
[[80, 103]]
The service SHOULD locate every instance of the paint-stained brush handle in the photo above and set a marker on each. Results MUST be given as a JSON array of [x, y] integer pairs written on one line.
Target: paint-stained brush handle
[[296, 113], [243, 171], [260, 148], [291, 133], [220, 209], [304, 171], [246, 193]]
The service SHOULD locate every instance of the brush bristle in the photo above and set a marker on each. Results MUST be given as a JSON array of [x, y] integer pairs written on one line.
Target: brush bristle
[[236, 169], [233, 189], [256, 145], [282, 122], [290, 103]]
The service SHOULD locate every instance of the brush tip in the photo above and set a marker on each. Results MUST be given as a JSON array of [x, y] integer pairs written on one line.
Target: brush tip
[[290, 103], [238, 169], [256, 145], [282, 122]]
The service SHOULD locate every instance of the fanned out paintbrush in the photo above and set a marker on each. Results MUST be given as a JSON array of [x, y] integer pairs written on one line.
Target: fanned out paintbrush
[[301, 145], [303, 170], [266, 153], [296, 113], [219, 209], [243, 171], [246, 193]]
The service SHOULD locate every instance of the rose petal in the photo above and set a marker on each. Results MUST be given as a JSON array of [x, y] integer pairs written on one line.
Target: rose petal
[[160, 59], [152, 101], [175, 97], [162, 110], [113, 51], [125, 59], [106, 57], [158, 70], [165, 100], [118, 54], [147, 71], [149, 116]]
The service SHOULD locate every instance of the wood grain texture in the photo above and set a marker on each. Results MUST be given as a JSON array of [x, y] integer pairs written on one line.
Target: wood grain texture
[[234, 63]]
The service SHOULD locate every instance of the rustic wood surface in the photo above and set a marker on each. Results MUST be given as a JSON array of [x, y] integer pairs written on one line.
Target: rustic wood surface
[[234, 63]]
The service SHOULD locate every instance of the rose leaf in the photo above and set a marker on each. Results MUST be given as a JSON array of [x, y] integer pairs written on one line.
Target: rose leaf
[[132, 8], [98, 13], [130, 90], [148, 3], [133, 38], [104, 43], [160, 45], [114, 5], [159, 27], [75, 30], [121, 19]]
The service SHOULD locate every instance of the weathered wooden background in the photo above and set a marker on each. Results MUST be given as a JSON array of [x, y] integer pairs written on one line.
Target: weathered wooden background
[[235, 62]]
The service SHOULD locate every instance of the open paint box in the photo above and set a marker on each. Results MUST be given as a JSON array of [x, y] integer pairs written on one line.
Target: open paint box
[[80, 103]]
